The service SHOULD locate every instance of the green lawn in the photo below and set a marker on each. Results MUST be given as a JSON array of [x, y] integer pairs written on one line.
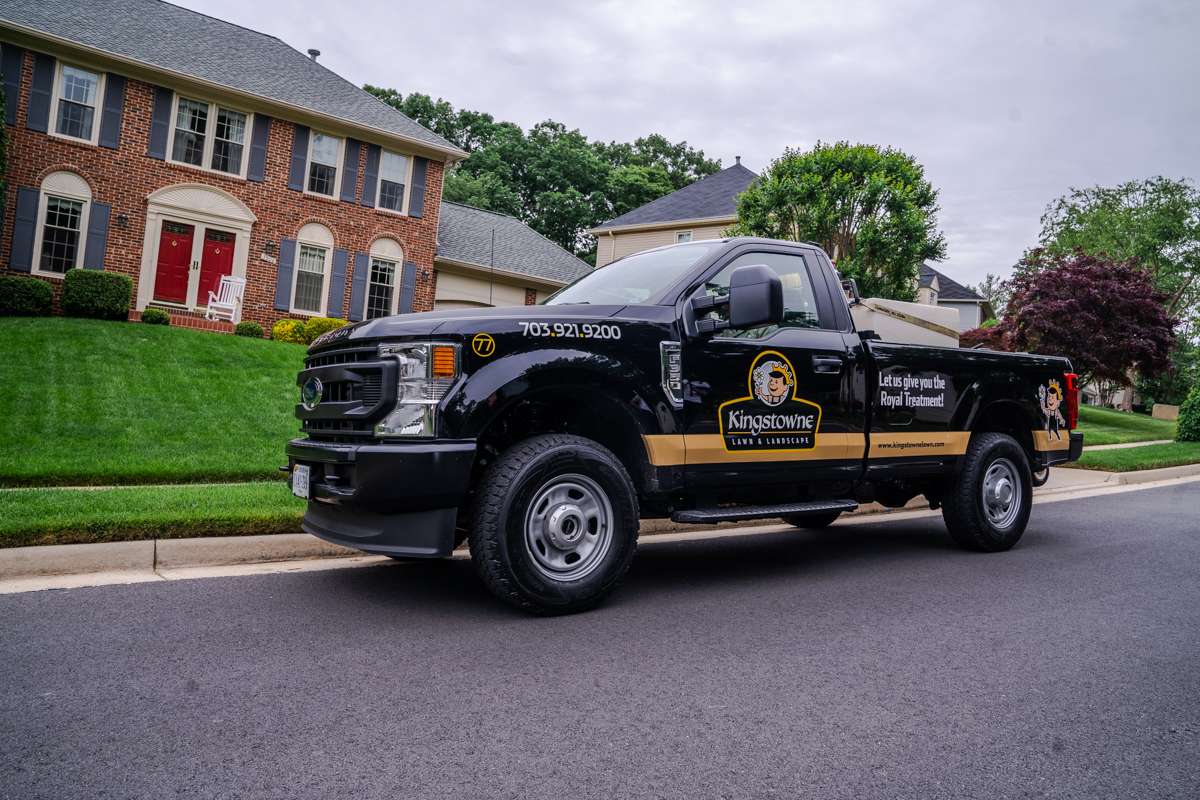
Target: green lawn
[[71, 516], [98, 403], [1151, 456], [1106, 426]]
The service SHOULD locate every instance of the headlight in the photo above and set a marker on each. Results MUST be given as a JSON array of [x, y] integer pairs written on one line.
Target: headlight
[[426, 373]]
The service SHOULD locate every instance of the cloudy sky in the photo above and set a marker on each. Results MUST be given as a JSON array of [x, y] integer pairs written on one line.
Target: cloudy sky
[[1006, 104]]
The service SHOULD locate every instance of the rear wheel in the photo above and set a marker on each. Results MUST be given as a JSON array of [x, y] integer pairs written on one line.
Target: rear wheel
[[812, 521], [555, 524], [987, 508]]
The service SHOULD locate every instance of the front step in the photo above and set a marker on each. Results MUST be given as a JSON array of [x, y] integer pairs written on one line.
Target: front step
[[709, 516]]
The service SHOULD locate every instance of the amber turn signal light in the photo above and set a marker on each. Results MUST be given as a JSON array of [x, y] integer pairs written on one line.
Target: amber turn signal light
[[444, 359]]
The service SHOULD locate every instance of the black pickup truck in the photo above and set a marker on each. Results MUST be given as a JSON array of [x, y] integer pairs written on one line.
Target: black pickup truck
[[705, 382]]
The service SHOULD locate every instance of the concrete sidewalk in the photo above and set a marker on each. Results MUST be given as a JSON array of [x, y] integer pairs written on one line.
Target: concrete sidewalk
[[1124, 445]]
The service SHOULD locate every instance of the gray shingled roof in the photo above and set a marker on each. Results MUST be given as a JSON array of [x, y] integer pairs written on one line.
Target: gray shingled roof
[[176, 39], [714, 196], [465, 235], [948, 288]]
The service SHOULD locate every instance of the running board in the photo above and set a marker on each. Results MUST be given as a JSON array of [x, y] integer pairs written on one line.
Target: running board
[[707, 516]]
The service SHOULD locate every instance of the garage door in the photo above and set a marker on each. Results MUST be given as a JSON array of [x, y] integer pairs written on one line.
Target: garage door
[[461, 291]]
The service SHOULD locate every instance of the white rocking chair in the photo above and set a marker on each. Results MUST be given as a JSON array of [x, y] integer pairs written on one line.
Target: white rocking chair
[[226, 302]]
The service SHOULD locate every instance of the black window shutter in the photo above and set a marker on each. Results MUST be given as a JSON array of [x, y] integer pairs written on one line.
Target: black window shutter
[[371, 175], [160, 123], [299, 158], [350, 170], [10, 64], [257, 169], [97, 236], [39, 93], [24, 229], [110, 112], [416, 203], [337, 284], [358, 287], [408, 286], [283, 275]]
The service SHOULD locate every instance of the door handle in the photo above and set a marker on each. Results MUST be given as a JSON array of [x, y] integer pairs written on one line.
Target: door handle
[[827, 364]]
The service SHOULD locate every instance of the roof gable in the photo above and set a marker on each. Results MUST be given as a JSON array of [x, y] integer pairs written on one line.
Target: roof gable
[[178, 40], [465, 234], [948, 288], [714, 196]]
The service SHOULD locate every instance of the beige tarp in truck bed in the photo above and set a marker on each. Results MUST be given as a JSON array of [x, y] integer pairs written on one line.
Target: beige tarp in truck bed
[[909, 323]]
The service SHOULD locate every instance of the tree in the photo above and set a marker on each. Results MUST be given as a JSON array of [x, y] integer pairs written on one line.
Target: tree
[[1106, 316], [1156, 221], [870, 208], [994, 289], [681, 164]]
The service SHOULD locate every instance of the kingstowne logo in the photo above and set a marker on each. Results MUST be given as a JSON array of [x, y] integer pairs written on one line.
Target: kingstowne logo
[[773, 417]]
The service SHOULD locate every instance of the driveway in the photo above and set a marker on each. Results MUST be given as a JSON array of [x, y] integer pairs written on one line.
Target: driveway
[[869, 660]]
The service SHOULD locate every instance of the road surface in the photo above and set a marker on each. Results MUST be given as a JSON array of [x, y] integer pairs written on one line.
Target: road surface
[[869, 660]]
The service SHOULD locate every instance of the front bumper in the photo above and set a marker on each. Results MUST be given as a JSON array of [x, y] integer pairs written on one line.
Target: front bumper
[[393, 499]]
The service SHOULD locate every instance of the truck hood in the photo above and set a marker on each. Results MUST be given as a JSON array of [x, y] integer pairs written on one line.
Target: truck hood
[[468, 321]]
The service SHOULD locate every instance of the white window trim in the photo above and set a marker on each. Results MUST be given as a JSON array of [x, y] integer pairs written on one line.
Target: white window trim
[[210, 138], [338, 166], [56, 95], [39, 232], [399, 262], [403, 212], [326, 269], [683, 241]]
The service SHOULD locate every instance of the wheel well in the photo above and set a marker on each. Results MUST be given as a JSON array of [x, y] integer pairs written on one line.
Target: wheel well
[[592, 415], [1010, 420]]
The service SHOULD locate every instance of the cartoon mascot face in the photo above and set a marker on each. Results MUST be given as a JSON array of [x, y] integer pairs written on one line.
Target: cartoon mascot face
[[772, 382]]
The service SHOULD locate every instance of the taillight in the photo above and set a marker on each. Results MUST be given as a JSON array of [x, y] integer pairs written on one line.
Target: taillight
[[1072, 399]]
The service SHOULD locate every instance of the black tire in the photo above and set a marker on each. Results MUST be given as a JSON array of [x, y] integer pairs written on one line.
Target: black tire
[[1039, 477], [975, 524], [515, 566], [812, 521]]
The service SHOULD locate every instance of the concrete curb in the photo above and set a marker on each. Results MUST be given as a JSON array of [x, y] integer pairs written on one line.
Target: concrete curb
[[152, 559]]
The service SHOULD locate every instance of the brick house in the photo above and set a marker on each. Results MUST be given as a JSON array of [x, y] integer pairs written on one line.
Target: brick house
[[175, 148]]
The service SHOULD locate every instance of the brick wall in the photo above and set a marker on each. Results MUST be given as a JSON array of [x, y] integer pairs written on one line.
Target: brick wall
[[124, 177]]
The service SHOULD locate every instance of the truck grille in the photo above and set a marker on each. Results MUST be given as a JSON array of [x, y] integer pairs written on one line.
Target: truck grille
[[358, 389]]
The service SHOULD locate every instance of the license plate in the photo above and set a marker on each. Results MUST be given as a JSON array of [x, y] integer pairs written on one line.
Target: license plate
[[300, 481]]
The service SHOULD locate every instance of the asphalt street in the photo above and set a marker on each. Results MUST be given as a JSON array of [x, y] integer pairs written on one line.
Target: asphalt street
[[869, 660]]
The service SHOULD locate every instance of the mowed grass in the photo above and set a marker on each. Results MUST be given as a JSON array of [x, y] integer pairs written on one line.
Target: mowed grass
[[1151, 456], [99, 403], [73, 516], [1106, 426]]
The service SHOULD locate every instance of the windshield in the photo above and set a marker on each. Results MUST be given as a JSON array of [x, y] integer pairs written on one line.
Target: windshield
[[635, 279]]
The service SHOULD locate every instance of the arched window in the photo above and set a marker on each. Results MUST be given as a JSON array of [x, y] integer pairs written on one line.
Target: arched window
[[314, 253], [63, 209], [383, 280]]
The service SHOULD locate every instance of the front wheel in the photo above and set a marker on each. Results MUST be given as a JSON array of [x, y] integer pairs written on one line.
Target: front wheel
[[555, 524], [988, 505]]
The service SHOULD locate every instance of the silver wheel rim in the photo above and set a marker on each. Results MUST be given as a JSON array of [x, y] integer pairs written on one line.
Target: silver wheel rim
[[1001, 493], [568, 527]]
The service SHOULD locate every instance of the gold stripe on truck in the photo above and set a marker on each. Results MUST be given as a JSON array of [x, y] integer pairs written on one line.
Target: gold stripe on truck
[[919, 443], [1043, 441], [670, 450]]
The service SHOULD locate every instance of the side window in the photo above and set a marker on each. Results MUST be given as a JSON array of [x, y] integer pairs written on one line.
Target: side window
[[799, 303]]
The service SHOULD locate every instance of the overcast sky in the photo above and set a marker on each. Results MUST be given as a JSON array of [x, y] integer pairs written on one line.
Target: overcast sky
[[1007, 104]]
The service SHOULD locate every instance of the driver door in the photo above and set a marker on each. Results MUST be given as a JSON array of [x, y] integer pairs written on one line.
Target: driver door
[[773, 405]]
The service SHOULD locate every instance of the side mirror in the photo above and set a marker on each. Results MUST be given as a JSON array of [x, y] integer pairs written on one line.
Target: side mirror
[[755, 297]]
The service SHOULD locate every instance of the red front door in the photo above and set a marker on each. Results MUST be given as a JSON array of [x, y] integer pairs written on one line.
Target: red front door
[[216, 261], [174, 260]]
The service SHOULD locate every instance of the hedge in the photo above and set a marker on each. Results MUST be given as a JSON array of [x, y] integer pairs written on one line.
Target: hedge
[[24, 297], [319, 325], [156, 316], [288, 330], [96, 295], [1189, 417], [248, 328]]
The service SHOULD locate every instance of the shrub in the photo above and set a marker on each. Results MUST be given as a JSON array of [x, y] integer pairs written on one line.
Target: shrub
[[156, 316], [96, 295], [288, 330], [24, 297], [248, 328], [319, 325], [1189, 417]]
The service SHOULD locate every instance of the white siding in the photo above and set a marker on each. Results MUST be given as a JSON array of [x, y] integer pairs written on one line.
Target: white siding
[[969, 315], [619, 245]]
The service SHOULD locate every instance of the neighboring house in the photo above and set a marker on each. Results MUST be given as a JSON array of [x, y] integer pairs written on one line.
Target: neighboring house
[[936, 289], [175, 148], [701, 210]]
